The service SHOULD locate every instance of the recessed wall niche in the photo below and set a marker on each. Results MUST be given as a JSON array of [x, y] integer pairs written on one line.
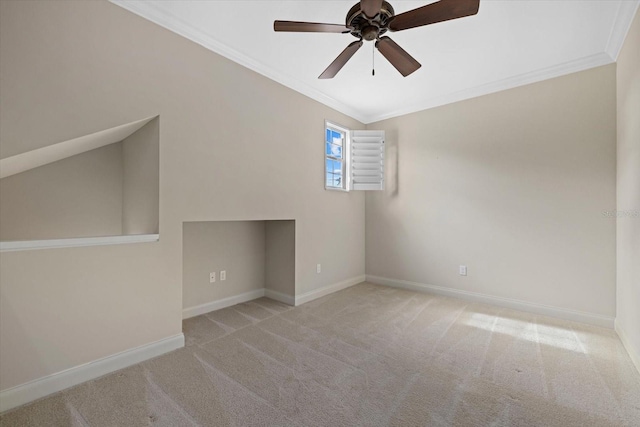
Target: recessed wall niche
[[258, 258], [101, 188]]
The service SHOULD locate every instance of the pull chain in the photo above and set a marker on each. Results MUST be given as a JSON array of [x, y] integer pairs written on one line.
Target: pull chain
[[373, 59]]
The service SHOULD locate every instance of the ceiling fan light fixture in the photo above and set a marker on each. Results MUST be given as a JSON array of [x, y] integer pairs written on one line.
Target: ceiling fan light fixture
[[370, 32]]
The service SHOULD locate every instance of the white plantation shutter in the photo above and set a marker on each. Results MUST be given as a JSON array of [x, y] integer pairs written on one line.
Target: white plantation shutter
[[367, 160]]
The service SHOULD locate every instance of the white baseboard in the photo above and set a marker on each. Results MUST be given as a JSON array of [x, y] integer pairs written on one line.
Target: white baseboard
[[222, 303], [28, 392], [279, 296], [328, 289], [635, 357], [546, 310]]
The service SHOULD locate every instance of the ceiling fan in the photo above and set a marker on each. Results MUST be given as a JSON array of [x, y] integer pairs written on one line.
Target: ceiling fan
[[370, 19]]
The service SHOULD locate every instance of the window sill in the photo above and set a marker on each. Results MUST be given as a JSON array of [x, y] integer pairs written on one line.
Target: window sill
[[26, 245]]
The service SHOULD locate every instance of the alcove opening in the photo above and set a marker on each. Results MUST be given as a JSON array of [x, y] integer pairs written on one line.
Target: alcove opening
[[256, 256], [101, 188]]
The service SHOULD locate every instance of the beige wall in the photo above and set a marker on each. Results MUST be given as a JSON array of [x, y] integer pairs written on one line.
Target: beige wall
[[628, 254], [80, 196], [513, 185], [238, 247], [254, 254], [234, 145], [140, 184], [108, 191], [280, 246]]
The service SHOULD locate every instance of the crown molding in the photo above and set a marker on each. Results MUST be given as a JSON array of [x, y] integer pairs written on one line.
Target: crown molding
[[169, 21], [624, 19], [574, 66]]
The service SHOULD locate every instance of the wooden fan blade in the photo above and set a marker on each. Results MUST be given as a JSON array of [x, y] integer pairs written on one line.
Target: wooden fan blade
[[342, 59], [398, 57], [309, 27], [371, 7], [443, 10]]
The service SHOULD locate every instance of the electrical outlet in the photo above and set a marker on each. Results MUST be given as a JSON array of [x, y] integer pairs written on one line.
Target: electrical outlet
[[223, 275], [463, 270], [212, 277], [318, 268]]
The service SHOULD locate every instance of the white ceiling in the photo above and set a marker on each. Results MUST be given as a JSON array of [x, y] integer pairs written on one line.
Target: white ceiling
[[507, 44]]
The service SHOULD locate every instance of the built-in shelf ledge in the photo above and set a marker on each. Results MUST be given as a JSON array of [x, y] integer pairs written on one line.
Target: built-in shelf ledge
[[25, 245]]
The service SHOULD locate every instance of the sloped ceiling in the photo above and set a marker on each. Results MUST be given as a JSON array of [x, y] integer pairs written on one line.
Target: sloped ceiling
[[65, 149], [507, 44]]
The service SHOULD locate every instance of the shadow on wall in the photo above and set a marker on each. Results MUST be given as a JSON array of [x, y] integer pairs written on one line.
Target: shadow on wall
[[393, 154]]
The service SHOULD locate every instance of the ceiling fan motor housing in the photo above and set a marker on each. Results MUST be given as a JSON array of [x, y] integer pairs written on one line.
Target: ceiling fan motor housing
[[369, 28], [369, 20]]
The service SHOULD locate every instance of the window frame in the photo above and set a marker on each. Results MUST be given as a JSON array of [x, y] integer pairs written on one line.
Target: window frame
[[346, 173]]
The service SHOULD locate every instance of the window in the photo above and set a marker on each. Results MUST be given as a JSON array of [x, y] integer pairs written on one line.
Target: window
[[335, 142], [353, 159]]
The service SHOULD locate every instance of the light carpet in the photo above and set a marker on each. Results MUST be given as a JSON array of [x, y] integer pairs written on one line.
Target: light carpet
[[365, 356]]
